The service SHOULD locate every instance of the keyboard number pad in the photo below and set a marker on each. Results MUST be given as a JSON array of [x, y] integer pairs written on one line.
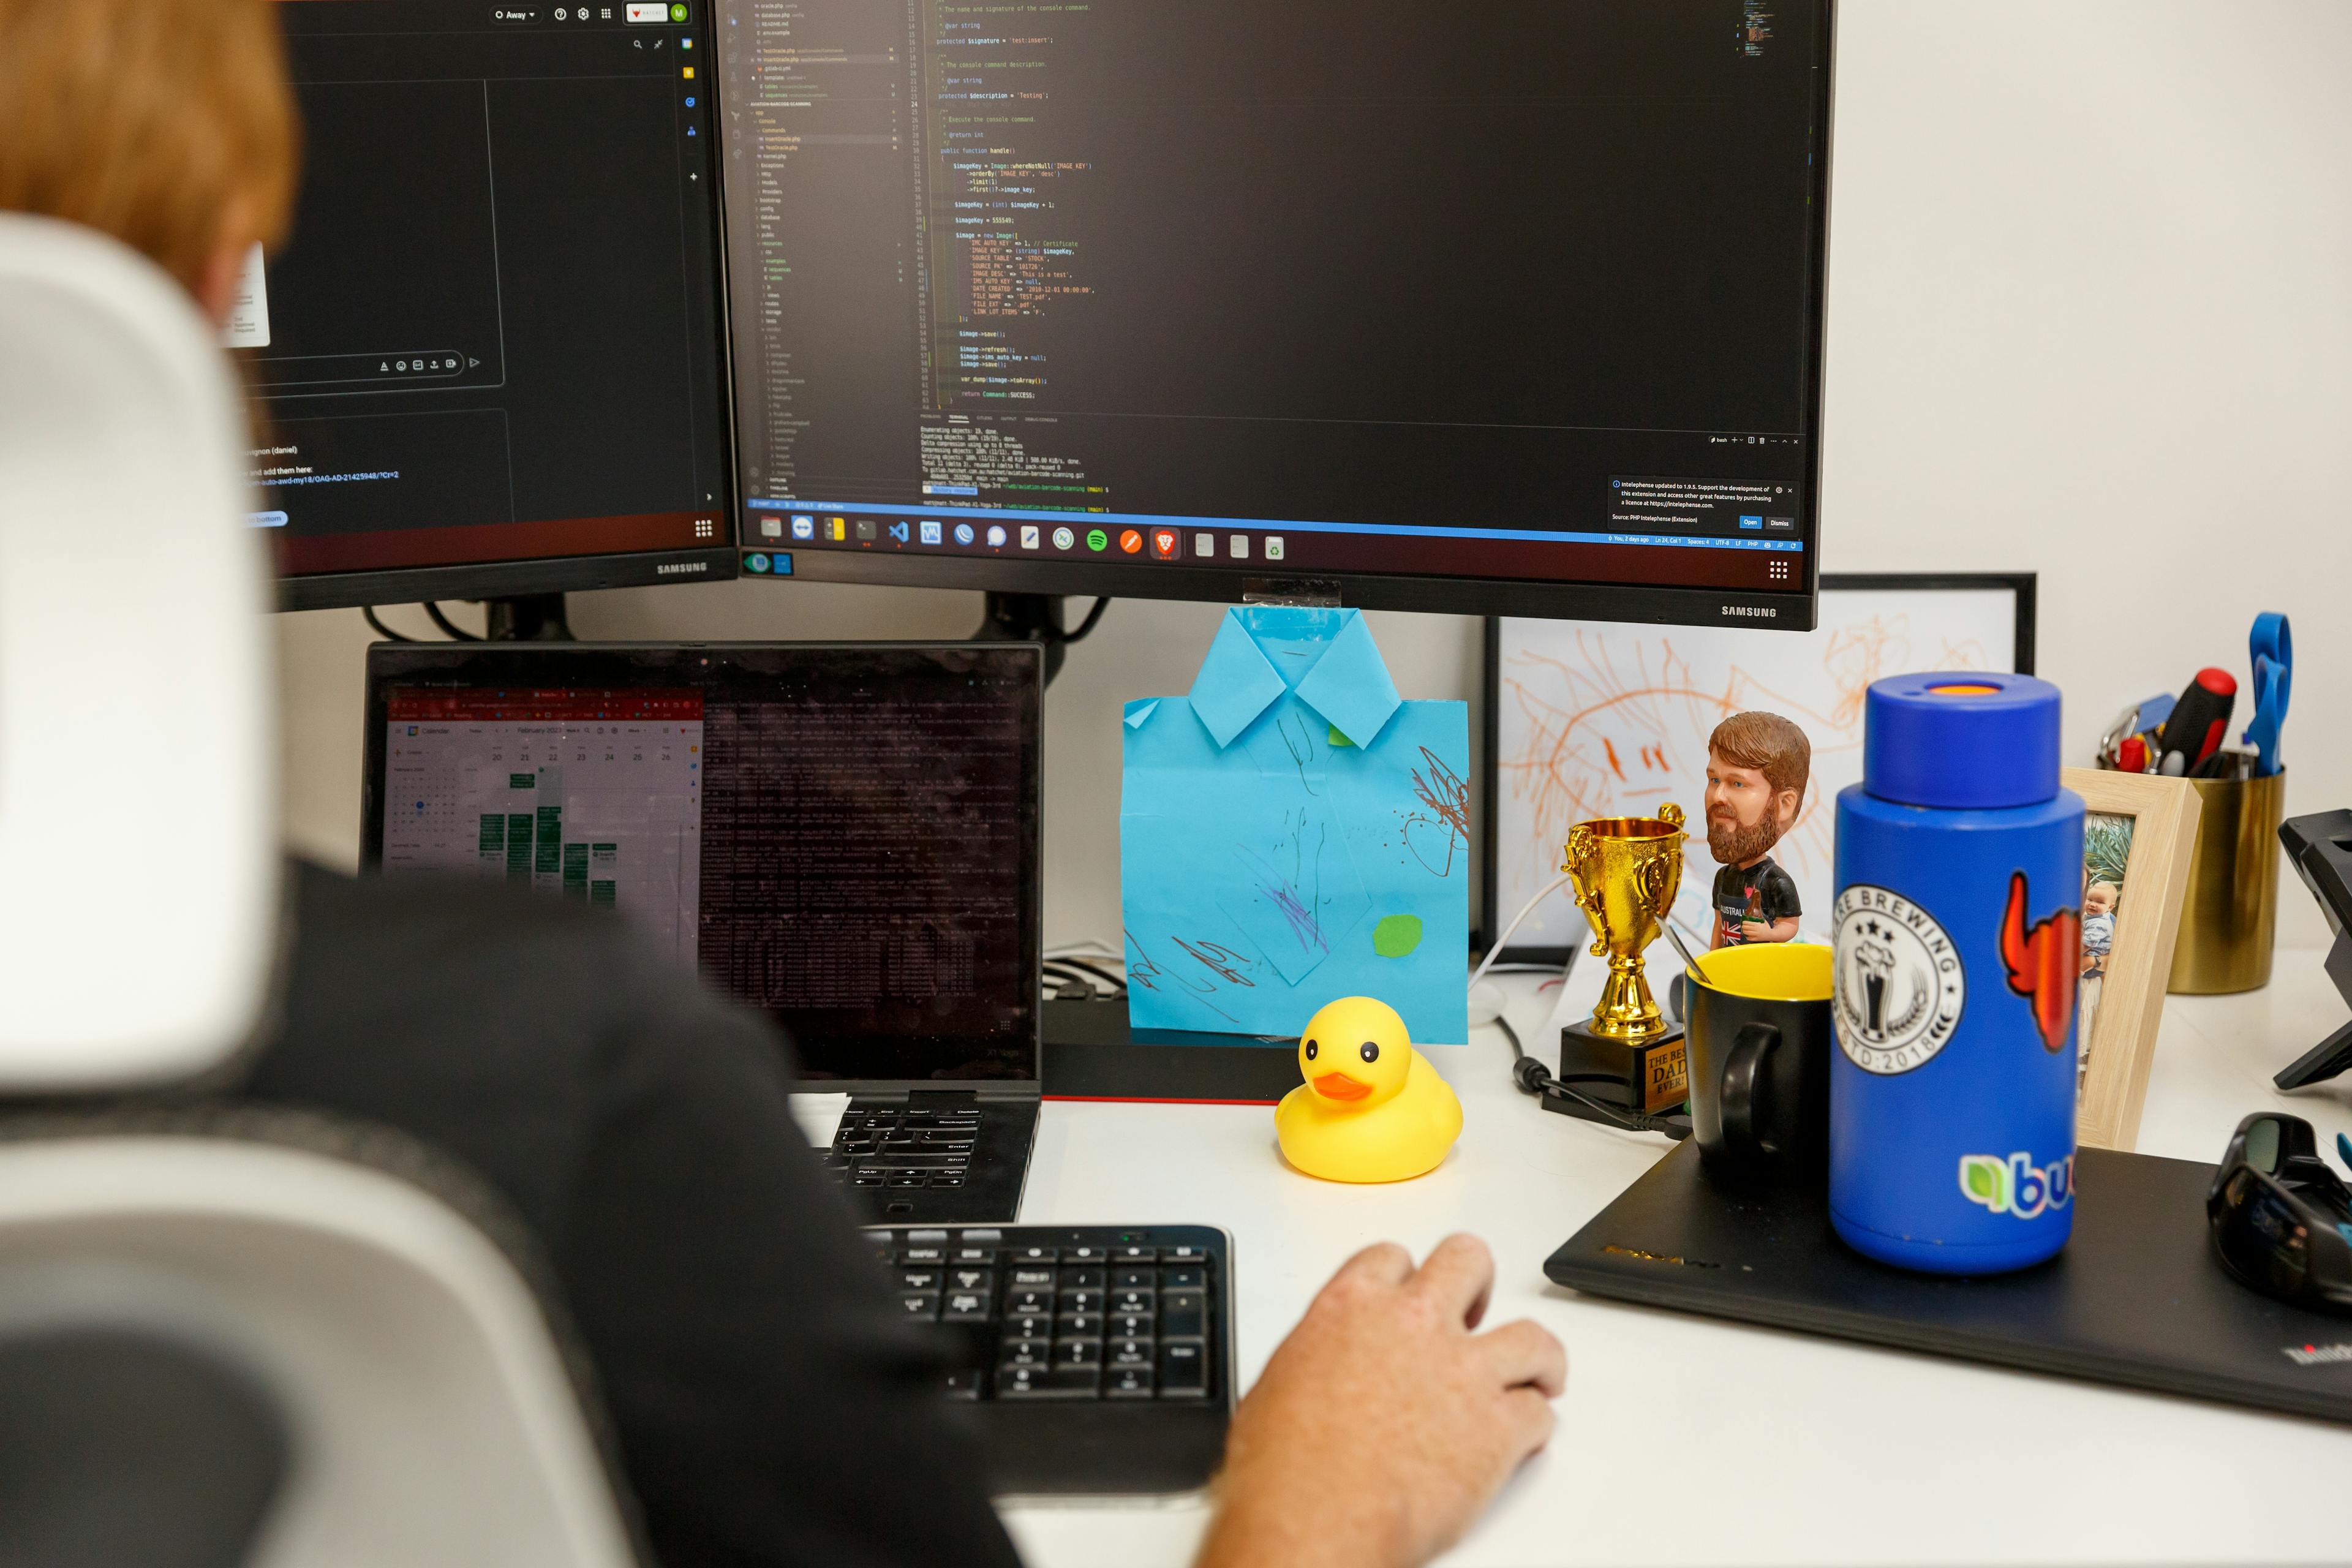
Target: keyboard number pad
[[1067, 1323]]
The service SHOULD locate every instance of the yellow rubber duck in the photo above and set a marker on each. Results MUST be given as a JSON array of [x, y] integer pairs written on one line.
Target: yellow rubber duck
[[1372, 1109]]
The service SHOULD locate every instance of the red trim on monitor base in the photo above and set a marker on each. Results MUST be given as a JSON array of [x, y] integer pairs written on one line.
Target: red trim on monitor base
[[1148, 1099]]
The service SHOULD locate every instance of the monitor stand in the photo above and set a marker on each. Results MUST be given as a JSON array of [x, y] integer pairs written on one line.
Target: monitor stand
[[1091, 1052], [1028, 617], [528, 617]]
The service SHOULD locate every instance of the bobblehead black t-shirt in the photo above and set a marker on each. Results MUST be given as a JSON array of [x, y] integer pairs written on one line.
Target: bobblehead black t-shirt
[[1759, 892], [768, 1409]]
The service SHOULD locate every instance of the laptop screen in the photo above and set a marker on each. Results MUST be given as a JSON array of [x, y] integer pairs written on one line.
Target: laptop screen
[[845, 836]]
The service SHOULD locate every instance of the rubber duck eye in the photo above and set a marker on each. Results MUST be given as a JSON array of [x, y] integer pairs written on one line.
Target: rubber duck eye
[[1310, 1050], [1372, 1053]]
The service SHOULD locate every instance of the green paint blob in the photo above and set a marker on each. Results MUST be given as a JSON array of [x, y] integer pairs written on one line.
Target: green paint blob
[[1337, 738], [1396, 935]]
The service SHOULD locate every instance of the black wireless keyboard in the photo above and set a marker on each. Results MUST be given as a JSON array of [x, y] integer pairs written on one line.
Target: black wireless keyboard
[[1094, 1360]]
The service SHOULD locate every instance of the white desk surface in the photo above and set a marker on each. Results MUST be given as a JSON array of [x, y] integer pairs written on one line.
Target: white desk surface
[[1685, 1440]]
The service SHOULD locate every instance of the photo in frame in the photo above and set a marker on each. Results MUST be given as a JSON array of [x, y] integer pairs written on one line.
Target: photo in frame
[[2136, 857]]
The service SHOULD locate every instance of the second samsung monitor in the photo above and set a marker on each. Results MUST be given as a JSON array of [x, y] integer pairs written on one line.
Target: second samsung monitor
[[491, 358], [1512, 307]]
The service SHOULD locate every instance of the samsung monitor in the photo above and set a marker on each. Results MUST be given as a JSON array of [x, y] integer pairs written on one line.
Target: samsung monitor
[[1512, 307], [492, 358]]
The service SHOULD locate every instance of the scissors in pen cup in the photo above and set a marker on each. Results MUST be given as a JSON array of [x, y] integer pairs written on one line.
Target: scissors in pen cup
[[2281, 1216], [2271, 650]]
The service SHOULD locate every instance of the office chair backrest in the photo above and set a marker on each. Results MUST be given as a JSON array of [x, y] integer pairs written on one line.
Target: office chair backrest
[[126, 1442], [138, 814], [225, 1337], [308, 1287]]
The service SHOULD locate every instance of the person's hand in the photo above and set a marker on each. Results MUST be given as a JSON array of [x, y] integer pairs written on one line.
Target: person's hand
[[1382, 1426], [1756, 930]]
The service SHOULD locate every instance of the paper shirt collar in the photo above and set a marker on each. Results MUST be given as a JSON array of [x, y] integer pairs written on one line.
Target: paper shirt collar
[[1347, 686]]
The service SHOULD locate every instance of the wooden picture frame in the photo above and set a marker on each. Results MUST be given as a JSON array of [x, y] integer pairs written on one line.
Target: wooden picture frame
[[2121, 999]]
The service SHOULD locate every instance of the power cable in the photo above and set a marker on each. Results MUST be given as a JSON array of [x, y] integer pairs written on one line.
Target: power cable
[[457, 633], [382, 631], [1078, 632]]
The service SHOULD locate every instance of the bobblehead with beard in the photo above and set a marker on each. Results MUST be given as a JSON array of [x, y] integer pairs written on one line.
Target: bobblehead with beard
[[1736, 843], [1746, 812]]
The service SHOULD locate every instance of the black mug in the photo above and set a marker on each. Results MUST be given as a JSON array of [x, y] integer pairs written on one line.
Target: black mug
[[1756, 1028]]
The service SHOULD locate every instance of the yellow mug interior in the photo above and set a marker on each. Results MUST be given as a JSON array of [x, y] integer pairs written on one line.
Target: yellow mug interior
[[1775, 972]]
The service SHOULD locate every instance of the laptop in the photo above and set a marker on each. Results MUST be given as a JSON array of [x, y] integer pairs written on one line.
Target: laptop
[[846, 836], [2135, 1298]]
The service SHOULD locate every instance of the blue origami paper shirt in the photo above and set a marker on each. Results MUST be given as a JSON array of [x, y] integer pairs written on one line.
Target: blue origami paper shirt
[[1293, 831]]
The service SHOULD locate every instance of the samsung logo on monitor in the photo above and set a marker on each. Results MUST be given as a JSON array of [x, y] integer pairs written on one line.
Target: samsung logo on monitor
[[1750, 611], [681, 568]]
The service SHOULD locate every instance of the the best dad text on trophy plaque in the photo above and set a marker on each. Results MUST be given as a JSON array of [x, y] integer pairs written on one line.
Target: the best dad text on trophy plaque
[[1625, 871]]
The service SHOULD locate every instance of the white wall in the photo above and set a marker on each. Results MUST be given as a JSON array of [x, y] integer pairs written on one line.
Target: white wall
[[2090, 316]]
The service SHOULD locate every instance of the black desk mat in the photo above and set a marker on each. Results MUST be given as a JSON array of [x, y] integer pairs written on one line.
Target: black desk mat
[[2137, 1297]]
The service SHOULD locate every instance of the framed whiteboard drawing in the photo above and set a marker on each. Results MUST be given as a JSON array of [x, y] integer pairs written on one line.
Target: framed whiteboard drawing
[[1589, 719]]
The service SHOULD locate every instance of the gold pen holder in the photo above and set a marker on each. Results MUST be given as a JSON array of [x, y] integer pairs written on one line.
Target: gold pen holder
[[1626, 871], [2229, 916]]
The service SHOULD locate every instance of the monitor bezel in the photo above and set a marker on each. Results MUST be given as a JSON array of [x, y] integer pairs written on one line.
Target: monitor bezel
[[1793, 609], [394, 664], [514, 579], [1790, 611]]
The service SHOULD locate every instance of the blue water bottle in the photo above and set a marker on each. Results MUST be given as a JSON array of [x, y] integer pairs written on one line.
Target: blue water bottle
[[1958, 939]]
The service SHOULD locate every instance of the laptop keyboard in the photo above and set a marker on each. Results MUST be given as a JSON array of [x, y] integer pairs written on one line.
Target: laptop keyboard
[[1039, 1314], [888, 1146]]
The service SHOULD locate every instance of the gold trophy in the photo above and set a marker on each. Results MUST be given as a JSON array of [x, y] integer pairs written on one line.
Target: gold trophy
[[1626, 871]]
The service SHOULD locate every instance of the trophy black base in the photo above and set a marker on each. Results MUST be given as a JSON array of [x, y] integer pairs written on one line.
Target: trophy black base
[[1650, 1076]]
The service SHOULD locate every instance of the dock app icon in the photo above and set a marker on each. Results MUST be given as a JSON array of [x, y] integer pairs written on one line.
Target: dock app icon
[[1165, 543], [1029, 538]]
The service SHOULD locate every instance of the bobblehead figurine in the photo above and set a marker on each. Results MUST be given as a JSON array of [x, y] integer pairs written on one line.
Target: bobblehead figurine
[[1756, 766]]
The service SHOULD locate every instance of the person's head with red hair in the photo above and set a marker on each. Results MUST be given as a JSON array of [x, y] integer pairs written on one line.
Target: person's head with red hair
[[168, 125]]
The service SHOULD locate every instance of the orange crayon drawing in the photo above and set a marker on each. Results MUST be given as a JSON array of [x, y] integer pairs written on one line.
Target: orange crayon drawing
[[1615, 724]]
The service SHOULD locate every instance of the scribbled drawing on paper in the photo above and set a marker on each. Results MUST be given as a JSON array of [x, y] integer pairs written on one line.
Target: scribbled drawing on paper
[[1595, 720], [1295, 892], [1297, 739], [1438, 829]]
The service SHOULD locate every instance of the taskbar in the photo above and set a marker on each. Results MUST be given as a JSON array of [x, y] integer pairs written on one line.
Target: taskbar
[[1760, 562]]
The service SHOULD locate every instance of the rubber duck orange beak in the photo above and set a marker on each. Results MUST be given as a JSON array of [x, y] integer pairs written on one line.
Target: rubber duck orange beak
[[1339, 1086]]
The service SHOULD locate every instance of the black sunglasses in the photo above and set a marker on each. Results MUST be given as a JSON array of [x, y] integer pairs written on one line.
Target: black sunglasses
[[2281, 1216]]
